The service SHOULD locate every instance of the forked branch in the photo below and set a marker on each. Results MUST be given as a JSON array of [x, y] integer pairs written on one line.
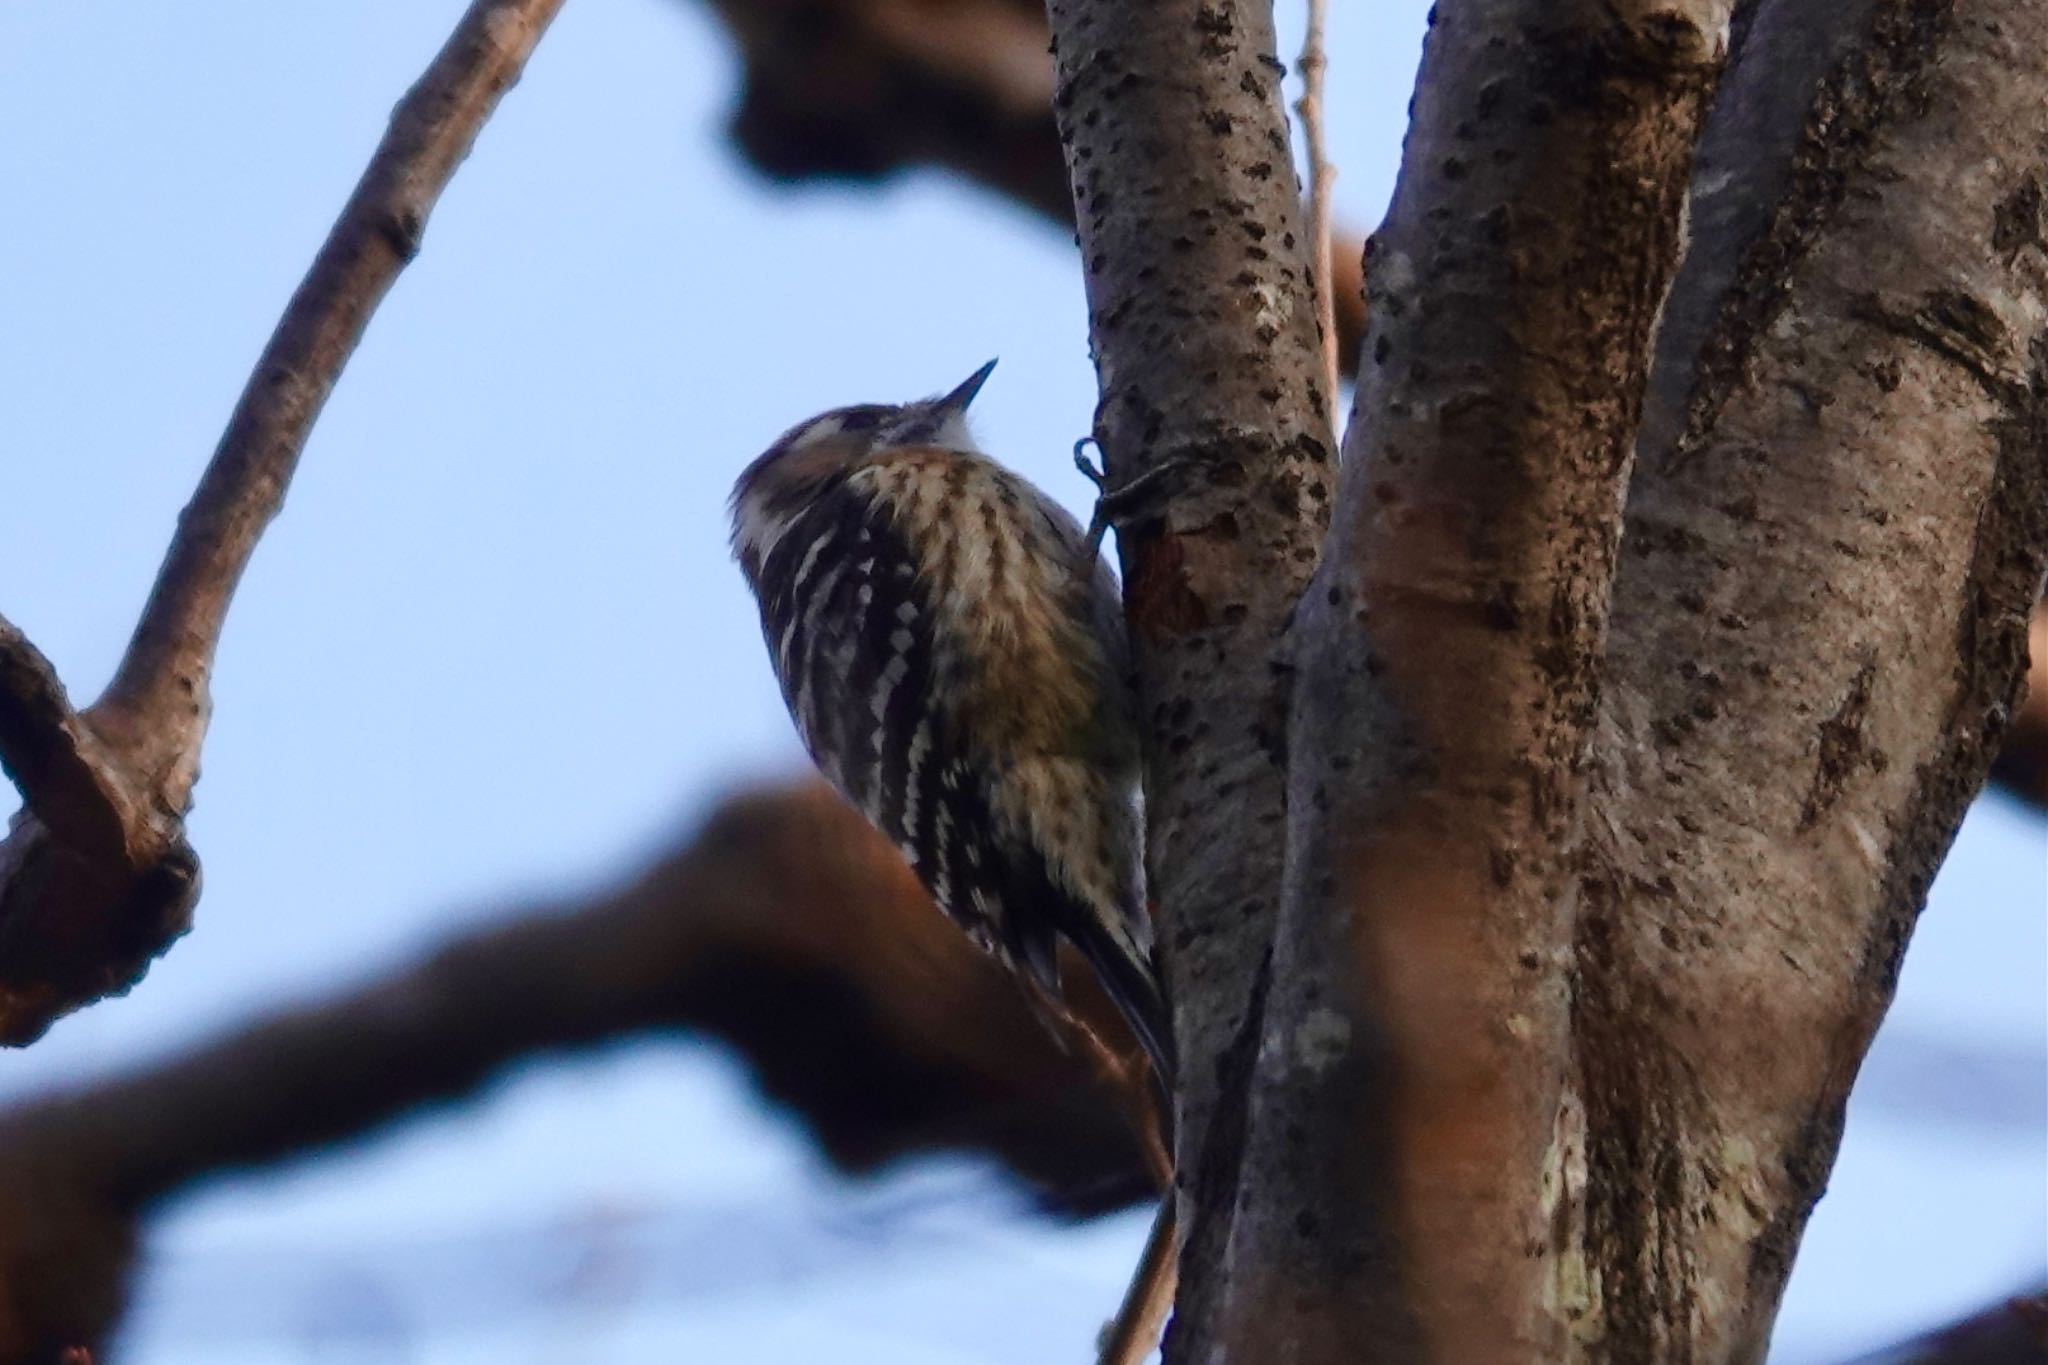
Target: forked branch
[[96, 877]]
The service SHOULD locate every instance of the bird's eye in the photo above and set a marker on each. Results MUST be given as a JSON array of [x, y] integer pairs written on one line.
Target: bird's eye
[[864, 420]]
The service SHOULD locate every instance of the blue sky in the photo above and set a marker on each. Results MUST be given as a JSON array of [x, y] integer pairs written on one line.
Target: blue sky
[[495, 647]]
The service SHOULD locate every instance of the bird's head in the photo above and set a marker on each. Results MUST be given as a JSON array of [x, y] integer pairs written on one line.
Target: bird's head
[[817, 450], [863, 427]]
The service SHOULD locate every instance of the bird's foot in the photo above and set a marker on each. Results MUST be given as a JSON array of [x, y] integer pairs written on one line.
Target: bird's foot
[[1124, 503]]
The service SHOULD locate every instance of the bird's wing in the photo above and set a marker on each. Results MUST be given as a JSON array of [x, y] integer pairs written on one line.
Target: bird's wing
[[850, 634]]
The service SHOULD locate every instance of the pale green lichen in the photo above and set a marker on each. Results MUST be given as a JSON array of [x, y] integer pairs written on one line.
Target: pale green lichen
[[1322, 1039], [1572, 1292]]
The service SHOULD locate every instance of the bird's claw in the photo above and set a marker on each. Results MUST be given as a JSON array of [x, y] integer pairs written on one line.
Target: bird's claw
[[1089, 469], [1114, 506]]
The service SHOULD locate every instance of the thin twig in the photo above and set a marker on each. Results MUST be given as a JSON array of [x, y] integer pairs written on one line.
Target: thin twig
[[1321, 175], [97, 878]]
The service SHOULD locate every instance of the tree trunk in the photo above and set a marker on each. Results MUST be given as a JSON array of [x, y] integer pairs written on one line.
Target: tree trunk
[[1210, 364], [1532, 882]]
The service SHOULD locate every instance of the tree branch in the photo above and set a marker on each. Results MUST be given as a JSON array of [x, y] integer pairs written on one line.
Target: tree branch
[[2011, 1333], [888, 1034], [160, 691], [1834, 541], [1745, 167], [1202, 320], [1322, 176], [781, 925], [95, 882], [1413, 1053]]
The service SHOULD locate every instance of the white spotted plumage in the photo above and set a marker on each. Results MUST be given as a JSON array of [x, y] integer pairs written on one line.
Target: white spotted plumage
[[957, 667]]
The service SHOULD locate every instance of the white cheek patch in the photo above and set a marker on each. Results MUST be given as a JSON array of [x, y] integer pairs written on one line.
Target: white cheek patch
[[820, 429], [953, 433], [919, 427], [758, 528]]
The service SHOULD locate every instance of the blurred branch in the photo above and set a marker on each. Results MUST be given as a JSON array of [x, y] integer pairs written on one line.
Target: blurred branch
[[783, 926], [2022, 764], [2011, 1333], [861, 89], [96, 877]]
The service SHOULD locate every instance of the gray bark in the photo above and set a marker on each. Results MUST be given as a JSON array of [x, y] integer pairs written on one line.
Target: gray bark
[[1203, 323], [1416, 1046], [1529, 904], [1611, 790], [1819, 631]]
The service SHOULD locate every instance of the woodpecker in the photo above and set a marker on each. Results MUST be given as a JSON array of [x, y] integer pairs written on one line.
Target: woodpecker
[[951, 647]]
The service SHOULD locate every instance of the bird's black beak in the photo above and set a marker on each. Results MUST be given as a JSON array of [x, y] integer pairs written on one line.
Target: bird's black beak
[[958, 399]]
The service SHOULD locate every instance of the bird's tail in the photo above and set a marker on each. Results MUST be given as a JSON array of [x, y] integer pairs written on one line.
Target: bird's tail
[[1133, 982], [1130, 977], [1123, 965], [1127, 970]]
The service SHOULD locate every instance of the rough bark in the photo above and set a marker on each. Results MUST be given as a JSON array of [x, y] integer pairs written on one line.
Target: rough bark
[[1399, 1174], [1744, 169], [1818, 633], [1202, 322], [96, 876], [1499, 1111], [888, 1034]]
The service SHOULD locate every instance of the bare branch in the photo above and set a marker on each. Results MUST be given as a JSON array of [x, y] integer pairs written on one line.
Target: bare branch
[[2011, 1333], [782, 925], [1745, 166], [965, 85], [95, 882], [159, 695]]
